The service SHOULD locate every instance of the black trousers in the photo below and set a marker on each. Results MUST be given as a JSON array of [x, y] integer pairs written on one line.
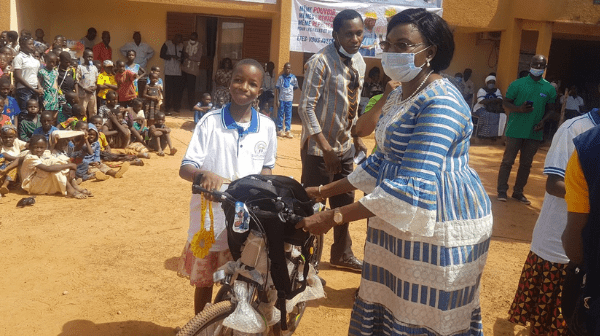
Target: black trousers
[[527, 148], [314, 174], [173, 92], [190, 86]]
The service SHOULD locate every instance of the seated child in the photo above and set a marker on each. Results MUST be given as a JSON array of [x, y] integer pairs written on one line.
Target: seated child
[[43, 173], [160, 137], [111, 104], [202, 107], [105, 151], [10, 107], [133, 113], [9, 156], [30, 121], [116, 130], [141, 129], [66, 108], [12, 147], [154, 97], [78, 115], [47, 127], [95, 166], [8, 173]]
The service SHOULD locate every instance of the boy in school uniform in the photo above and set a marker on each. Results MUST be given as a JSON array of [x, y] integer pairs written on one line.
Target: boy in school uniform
[[227, 144], [284, 90]]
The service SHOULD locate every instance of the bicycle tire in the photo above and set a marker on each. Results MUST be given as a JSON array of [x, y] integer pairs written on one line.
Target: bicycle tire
[[206, 318]]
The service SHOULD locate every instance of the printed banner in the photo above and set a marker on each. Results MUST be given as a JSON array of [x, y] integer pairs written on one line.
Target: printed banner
[[312, 21]]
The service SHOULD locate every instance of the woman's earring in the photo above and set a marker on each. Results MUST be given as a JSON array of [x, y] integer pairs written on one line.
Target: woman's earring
[[428, 65]]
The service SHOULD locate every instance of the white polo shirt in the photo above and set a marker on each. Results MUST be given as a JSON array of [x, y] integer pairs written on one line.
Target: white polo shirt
[[223, 147], [546, 241], [573, 103], [29, 66]]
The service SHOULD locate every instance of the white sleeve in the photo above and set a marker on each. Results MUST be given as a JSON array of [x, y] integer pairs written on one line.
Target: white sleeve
[[560, 151], [198, 148], [18, 63], [481, 95], [271, 154]]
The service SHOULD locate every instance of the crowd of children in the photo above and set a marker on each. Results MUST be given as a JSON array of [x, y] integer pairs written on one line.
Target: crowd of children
[[62, 116]]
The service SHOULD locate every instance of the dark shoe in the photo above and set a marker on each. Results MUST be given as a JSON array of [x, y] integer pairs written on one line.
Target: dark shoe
[[323, 282], [351, 263], [502, 197], [521, 198]]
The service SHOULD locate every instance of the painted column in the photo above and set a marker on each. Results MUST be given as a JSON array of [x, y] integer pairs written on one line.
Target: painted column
[[544, 39], [508, 59], [8, 15], [280, 36]]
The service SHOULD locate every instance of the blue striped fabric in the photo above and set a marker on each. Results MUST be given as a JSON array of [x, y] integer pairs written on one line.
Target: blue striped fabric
[[426, 252], [385, 324], [417, 281], [416, 293]]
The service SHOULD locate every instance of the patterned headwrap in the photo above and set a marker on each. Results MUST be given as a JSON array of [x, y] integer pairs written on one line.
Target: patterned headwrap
[[7, 128]]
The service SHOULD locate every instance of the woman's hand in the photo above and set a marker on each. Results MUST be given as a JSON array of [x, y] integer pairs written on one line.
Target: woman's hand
[[314, 194], [317, 224]]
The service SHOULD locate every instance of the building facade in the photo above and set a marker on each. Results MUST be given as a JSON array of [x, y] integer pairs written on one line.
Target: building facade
[[491, 36]]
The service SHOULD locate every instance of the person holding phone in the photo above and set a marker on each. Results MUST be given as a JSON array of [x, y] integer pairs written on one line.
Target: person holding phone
[[530, 102]]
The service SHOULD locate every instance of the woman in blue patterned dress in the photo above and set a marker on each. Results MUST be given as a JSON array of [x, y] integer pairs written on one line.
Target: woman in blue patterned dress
[[430, 219]]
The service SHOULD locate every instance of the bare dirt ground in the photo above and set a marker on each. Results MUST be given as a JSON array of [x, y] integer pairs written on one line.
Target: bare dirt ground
[[106, 266]]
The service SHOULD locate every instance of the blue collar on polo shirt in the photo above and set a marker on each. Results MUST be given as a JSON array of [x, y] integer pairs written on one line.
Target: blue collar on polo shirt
[[229, 122]]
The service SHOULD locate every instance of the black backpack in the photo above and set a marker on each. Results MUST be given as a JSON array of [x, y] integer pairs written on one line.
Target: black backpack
[[266, 196]]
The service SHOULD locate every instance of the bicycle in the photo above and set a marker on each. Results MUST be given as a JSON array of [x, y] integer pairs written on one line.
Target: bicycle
[[275, 266]]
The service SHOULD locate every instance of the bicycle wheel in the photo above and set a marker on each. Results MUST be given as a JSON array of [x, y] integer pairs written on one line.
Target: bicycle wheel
[[209, 321]]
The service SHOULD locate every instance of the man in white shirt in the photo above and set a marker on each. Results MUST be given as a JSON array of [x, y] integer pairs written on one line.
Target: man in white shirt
[[190, 68], [88, 40], [143, 52], [574, 104], [172, 52]]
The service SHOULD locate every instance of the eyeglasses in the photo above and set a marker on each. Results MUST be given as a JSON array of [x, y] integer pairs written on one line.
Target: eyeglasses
[[400, 46]]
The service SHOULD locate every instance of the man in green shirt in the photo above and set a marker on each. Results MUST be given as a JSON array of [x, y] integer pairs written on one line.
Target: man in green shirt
[[530, 101]]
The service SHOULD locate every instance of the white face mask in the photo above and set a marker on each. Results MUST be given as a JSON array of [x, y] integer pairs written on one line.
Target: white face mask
[[345, 53], [401, 66]]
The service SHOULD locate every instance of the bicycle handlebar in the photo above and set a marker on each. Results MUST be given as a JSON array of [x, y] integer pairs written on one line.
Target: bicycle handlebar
[[218, 195]]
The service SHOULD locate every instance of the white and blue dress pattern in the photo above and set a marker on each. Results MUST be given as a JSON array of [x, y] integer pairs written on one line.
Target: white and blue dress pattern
[[427, 244]]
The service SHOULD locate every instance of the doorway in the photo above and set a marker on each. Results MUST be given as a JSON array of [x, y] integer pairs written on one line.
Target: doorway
[[222, 37], [575, 62]]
